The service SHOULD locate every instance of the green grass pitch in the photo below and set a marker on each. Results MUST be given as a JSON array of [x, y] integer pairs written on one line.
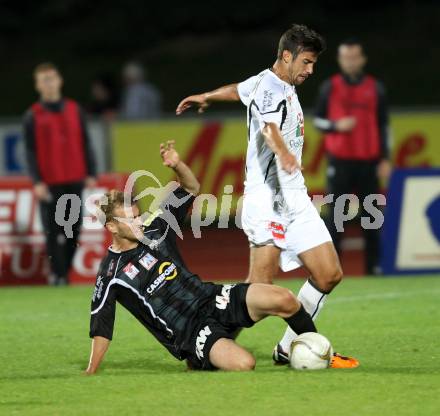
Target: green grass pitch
[[392, 325]]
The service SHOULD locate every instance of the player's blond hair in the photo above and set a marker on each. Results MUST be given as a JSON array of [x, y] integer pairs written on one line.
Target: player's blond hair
[[107, 204]]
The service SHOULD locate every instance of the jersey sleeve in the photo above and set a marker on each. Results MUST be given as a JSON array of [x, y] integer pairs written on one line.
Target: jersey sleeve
[[181, 211], [270, 102], [173, 209], [245, 88], [103, 310]]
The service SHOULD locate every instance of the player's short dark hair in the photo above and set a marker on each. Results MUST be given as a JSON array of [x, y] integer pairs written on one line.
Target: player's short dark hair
[[45, 66], [353, 41], [299, 38]]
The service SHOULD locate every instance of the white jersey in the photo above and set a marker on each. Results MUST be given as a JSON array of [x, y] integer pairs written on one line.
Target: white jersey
[[269, 99]]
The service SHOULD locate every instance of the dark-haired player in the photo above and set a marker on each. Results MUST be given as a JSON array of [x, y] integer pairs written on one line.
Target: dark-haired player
[[144, 272], [282, 225]]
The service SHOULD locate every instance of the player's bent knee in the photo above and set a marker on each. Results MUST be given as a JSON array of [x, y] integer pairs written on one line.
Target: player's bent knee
[[335, 277], [246, 363], [330, 279], [288, 303]]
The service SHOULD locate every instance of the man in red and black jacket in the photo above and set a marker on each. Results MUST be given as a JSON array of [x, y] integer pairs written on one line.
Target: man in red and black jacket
[[60, 161], [352, 112]]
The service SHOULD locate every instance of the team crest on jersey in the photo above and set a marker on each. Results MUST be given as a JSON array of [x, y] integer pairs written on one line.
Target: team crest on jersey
[[148, 261], [300, 125], [131, 270]]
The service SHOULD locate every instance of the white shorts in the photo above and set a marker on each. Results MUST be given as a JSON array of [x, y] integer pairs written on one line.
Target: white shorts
[[293, 225]]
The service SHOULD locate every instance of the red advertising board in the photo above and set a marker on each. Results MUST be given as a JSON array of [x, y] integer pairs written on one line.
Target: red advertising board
[[23, 257]]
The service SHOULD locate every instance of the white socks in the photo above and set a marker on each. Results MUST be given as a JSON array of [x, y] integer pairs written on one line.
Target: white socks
[[313, 301]]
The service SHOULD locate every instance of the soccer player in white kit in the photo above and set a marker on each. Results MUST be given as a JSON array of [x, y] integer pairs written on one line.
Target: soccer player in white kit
[[282, 225]]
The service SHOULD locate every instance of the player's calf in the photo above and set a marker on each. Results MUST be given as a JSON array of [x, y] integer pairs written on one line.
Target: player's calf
[[326, 281], [263, 264]]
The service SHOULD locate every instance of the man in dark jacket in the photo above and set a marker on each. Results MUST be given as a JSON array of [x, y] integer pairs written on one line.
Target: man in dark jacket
[[60, 161]]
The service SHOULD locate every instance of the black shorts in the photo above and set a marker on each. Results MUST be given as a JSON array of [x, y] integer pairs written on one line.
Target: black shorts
[[222, 317]]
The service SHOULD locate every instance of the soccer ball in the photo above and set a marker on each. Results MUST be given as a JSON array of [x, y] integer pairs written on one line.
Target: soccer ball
[[310, 351]]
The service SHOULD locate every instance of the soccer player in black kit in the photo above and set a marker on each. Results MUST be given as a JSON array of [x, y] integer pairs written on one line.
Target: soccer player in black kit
[[145, 273]]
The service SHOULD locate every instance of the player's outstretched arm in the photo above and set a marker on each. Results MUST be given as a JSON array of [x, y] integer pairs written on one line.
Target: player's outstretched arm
[[99, 348], [202, 101], [185, 176], [273, 138]]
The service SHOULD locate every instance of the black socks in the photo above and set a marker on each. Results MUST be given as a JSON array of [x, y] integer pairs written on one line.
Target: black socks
[[301, 322]]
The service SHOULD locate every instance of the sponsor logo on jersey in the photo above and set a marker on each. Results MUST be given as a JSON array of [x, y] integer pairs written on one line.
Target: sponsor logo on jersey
[[267, 100], [111, 267], [298, 142], [168, 271], [131, 270], [148, 261], [277, 230], [97, 292], [201, 340], [222, 301]]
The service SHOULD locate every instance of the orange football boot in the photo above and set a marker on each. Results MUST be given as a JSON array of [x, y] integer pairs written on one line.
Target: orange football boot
[[340, 361]]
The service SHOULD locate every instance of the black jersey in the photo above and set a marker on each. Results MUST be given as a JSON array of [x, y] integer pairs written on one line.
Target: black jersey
[[152, 282]]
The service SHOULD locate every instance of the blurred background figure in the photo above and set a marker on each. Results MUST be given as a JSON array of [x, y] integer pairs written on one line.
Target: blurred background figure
[[60, 161], [104, 97], [352, 112], [140, 99]]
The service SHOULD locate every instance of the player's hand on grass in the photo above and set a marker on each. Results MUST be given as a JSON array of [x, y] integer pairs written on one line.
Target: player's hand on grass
[[169, 154], [288, 162], [200, 101], [41, 192], [345, 124]]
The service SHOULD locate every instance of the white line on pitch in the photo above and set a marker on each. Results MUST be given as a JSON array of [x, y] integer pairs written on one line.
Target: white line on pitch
[[390, 295]]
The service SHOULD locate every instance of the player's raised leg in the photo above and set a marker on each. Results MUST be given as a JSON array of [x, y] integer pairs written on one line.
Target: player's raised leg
[[269, 300], [262, 300]]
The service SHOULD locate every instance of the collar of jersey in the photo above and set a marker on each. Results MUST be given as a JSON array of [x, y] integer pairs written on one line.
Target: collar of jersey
[[281, 80]]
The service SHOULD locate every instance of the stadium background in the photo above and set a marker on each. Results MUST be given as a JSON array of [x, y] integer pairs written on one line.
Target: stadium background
[[192, 50]]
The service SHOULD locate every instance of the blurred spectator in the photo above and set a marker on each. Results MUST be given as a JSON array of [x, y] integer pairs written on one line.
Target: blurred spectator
[[60, 162], [352, 112], [104, 95], [140, 99]]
